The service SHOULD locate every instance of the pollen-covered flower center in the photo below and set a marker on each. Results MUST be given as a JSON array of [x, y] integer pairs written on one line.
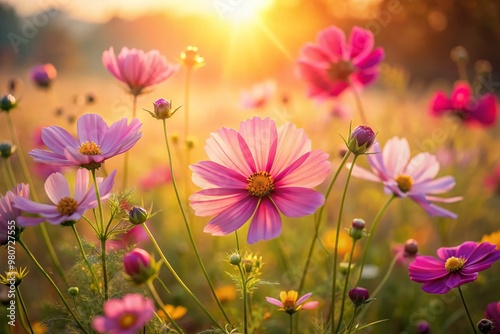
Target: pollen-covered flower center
[[127, 320], [405, 182], [89, 148], [260, 184], [289, 304], [340, 70], [454, 264], [67, 206]]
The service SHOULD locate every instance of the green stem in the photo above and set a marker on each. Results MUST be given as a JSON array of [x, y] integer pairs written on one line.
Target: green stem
[[291, 324], [25, 312], [158, 301], [20, 153], [102, 236], [352, 320], [386, 277], [359, 105], [52, 253], [6, 178], [467, 311], [370, 235], [346, 282], [85, 258], [186, 103], [336, 248], [244, 296], [126, 154], [10, 173], [178, 279], [188, 228], [32, 257], [318, 222]]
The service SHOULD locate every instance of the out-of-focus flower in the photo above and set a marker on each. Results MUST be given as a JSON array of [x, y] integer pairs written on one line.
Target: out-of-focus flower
[[423, 327], [333, 64], [290, 304], [9, 213], [344, 245], [42, 170], [485, 326], [258, 96], [359, 296], [162, 109], [132, 237], [7, 148], [191, 58], [43, 75], [175, 312], [96, 142], [7, 103], [139, 265], [413, 178], [138, 215], [361, 139], [492, 238], [39, 328], [492, 181], [492, 312], [340, 111], [454, 266], [479, 110], [226, 293], [124, 316], [406, 252], [66, 209], [137, 69], [158, 176], [15, 276], [258, 171]]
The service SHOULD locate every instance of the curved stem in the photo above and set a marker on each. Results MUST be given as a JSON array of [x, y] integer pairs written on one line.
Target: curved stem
[[178, 279], [158, 301], [370, 234], [32, 257], [336, 249], [467, 311], [318, 222], [85, 258], [25, 312], [188, 228], [346, 282]]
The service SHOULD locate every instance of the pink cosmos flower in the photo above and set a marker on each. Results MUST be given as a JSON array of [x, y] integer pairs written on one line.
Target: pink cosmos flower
[[8, 212], [333, 64], [124, 316], [66, 209], [138, 69], [259, 170], [454, 266], [258, 96], [157, 177], [96, 142], [493, 313], [288, 302], [132, 237], [480, 110], [43, 75], [413, 178]]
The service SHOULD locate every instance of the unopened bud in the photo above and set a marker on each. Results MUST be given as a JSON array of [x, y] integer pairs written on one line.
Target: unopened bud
[[73, 291], [7, 103]]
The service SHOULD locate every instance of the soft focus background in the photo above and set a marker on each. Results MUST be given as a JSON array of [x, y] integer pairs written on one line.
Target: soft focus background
[[245, 43]]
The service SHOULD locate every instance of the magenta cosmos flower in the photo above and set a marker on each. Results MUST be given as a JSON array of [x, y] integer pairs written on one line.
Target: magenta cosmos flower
[[333, 64], [9, 213], [66, 209], [124, 316], [413, 178], [480, 110], [493, 313], [454, 266], [290, 304], [138, 69], [96, 142], [259, 170], [43, 75]]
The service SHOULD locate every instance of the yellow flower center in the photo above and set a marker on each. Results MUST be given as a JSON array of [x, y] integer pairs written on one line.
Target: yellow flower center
[[89, 148], [289, 300], [454, 264], [67, 206], [127, 320], [405, 182], [260, 184]]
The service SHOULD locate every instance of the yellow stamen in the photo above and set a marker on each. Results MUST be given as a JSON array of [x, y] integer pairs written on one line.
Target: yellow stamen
[[89, 148], [67, 206], [127, 320], [260, 184], [405, 182], [454, 264]]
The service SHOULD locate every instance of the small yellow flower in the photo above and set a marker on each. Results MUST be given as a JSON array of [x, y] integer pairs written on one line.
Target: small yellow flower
[[175, 312], [290, 304], [191, 58], [16, 276], [39, 328], [492, 238], [226, 293]]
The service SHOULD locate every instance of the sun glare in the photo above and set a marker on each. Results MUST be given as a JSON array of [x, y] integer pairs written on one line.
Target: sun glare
[[246, 11]]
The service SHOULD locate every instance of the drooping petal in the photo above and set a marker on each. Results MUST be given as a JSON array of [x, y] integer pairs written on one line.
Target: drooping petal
[[233, 218], [297, 202], [435, 186], [432, 209], [371, 60], [266, 222]]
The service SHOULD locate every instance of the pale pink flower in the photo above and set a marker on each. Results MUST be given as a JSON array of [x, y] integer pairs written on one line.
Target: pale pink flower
[[9, 213], [333, 64], [138, 69], [66, 209], [258, 171], [158, 176], [258, 96], [124, 316], [413, 178], [96, 142]]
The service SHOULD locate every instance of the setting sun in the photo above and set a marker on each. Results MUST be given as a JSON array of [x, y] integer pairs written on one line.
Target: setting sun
[[241, 11]]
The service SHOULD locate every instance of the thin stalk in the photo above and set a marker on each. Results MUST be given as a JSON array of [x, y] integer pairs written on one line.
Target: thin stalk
[[467, 310], [126, 154], [32, 257], [336, 248], [188, 228], [103, 236], [318, 222], [244, 296], [291, 325], [359, 105], [186, 103], [352, 319], [178, 279], [158, 301], [10, 173], [8, 183], [370, 234], [346, 282], [85, 258], [20, 153], [26, 323]]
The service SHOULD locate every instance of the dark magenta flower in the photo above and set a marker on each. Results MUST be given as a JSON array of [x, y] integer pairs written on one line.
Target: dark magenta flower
[[43, 75], [469, 108], [493, 313], [359, 295], [454, 266]]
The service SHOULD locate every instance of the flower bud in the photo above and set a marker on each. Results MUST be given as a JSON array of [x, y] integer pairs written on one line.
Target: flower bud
[[7, 103], [7, 149], [139, 265], [411, 247], [485, 326], [138, 215], [235, 259], [358, 223], [43, 75], [359, 295], [356, 231], [191, 58], [423, 327], [361, 139], [162, 108], [73, 291], [459, 54]]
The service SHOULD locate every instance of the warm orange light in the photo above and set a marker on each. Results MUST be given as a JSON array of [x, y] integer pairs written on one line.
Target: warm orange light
[[241, 11]]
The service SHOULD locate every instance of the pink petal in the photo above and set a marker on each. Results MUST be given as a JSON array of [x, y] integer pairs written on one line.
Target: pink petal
[[440, 104], [396, 154], [209, 174], [297, 202], [361, 43], [82, 183], [211, 202], [233, 218], [56, 187], [29, 221], [266, 222], [461, 95], [91, 127], [310, 305], [333, 42], [370, 60], [274, 301], [485, 111], [292, 144], [262, 138], [364, 174], [310, 173], [432, 209], [434, 186], [303, 298], [313, 53], [57, 139], [423, 166]]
